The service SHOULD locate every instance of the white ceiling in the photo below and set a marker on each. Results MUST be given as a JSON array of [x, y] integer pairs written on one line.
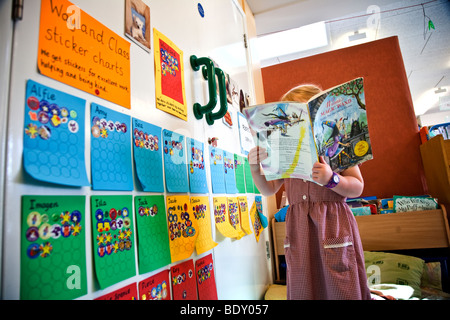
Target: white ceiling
[[426, 53]]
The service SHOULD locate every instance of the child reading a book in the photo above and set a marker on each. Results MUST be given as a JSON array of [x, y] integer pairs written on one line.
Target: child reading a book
[[323, 250]]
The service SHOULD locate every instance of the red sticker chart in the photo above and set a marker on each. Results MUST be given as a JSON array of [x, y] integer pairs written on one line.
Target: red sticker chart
[[184, 284], [53, 250], [206, 282], [110, 150], [152, 233], [156, 287], [126, 293], [53, 144], [113, 239], [183, 228]]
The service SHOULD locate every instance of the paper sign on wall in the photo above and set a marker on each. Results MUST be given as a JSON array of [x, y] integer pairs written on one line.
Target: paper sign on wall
[[206, 282], [126, 293], [221, 218], [200, 207], [77, 50], [184, 285], [156, 287]]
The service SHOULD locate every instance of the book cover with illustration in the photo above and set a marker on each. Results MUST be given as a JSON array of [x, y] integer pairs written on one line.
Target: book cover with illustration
[[333, 124]]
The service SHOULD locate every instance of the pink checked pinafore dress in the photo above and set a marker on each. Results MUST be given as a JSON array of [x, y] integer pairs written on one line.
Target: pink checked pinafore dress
[[324, 255]]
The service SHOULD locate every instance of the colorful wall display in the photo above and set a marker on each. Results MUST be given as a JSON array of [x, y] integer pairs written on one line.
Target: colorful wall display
[[200, 208], [175, 169], [147, 153], [110, 150], [79, 51], [183, 227], [206, 282], [152, 233], [53, 143], [156, 287], [113, 238], [52, 249], [196, 163], [169, 76], [184, 285]]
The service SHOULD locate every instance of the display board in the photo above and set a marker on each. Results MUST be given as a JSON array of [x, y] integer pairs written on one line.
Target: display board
[[94, 121]]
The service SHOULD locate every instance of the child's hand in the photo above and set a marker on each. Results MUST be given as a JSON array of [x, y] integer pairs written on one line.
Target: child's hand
[[321, 172], [255, 156]]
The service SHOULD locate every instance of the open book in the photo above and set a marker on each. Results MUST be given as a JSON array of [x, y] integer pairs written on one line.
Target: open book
[[333, 124]]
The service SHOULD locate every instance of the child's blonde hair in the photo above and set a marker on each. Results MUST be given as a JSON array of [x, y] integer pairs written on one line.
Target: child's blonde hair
[[301, 93]]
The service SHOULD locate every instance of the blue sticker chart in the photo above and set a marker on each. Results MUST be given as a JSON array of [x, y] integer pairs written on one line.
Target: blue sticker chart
[[230, 179], [175, 169], [217, 170], [148, 156], [53, 144], [110, 150], [197, 172]]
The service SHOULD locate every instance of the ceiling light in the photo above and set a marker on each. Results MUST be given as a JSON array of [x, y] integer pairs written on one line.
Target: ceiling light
[[440, 90], [357, 36]]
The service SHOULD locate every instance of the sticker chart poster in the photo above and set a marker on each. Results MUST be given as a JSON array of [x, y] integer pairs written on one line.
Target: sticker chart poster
[[239, 173], [245, 217], [217, 167], [169, 76], [200, 208], [113, 238], [197, 171], [184, 284], [230, 179], [221, 218], [110, 150], [79, 51], [156, 287], [53, 251], [148, 155], [152, 233], [126, 293], [53, 144], [234, 216], [183, 228], [206, 282], [175, 162]]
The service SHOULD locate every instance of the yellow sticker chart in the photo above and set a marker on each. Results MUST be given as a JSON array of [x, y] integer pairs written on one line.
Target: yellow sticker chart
[[221, 218], [256, 221], [169, 76], [234, 216], [245, 218], [200, 208], [183, 227], [79, 51]]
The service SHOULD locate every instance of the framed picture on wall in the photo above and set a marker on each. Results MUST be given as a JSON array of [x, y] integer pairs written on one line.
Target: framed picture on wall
[[137, 22]]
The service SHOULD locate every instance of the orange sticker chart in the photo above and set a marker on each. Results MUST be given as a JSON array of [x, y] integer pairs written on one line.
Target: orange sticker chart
[[200, 208], [183, 228], [234, 216], [156, 287], [169, 76], [221, 218], [245, 217], [76, 49], [256, 221]]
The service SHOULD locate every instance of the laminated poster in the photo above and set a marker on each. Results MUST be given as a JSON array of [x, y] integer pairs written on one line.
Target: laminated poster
[[113, 238], [234, 216], [148, 156], [175, 162], [110, 150], [52, 250], [249, 184], [206, 282], [245, 217], [156, 287], [221, 218], [230, 179], [200, 207], [152, 233], [217, 170], [184, 284], [197, 171], [76, 49], [183, 228], [53, 143], [126, 293], [239, 173], [169, 76]]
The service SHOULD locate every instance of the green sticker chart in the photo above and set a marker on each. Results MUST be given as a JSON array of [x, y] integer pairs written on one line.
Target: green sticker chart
[[152, 233], [239, 173], [53, 251], [113, 238]]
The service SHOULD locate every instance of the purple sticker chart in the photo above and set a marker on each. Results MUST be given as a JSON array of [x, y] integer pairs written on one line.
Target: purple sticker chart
[[152, 233], [53, 144], [196, 161], [217, 170], [110, 150], [148, 156], [53, 251], [113, 238], [230, 179], [175, 168]]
